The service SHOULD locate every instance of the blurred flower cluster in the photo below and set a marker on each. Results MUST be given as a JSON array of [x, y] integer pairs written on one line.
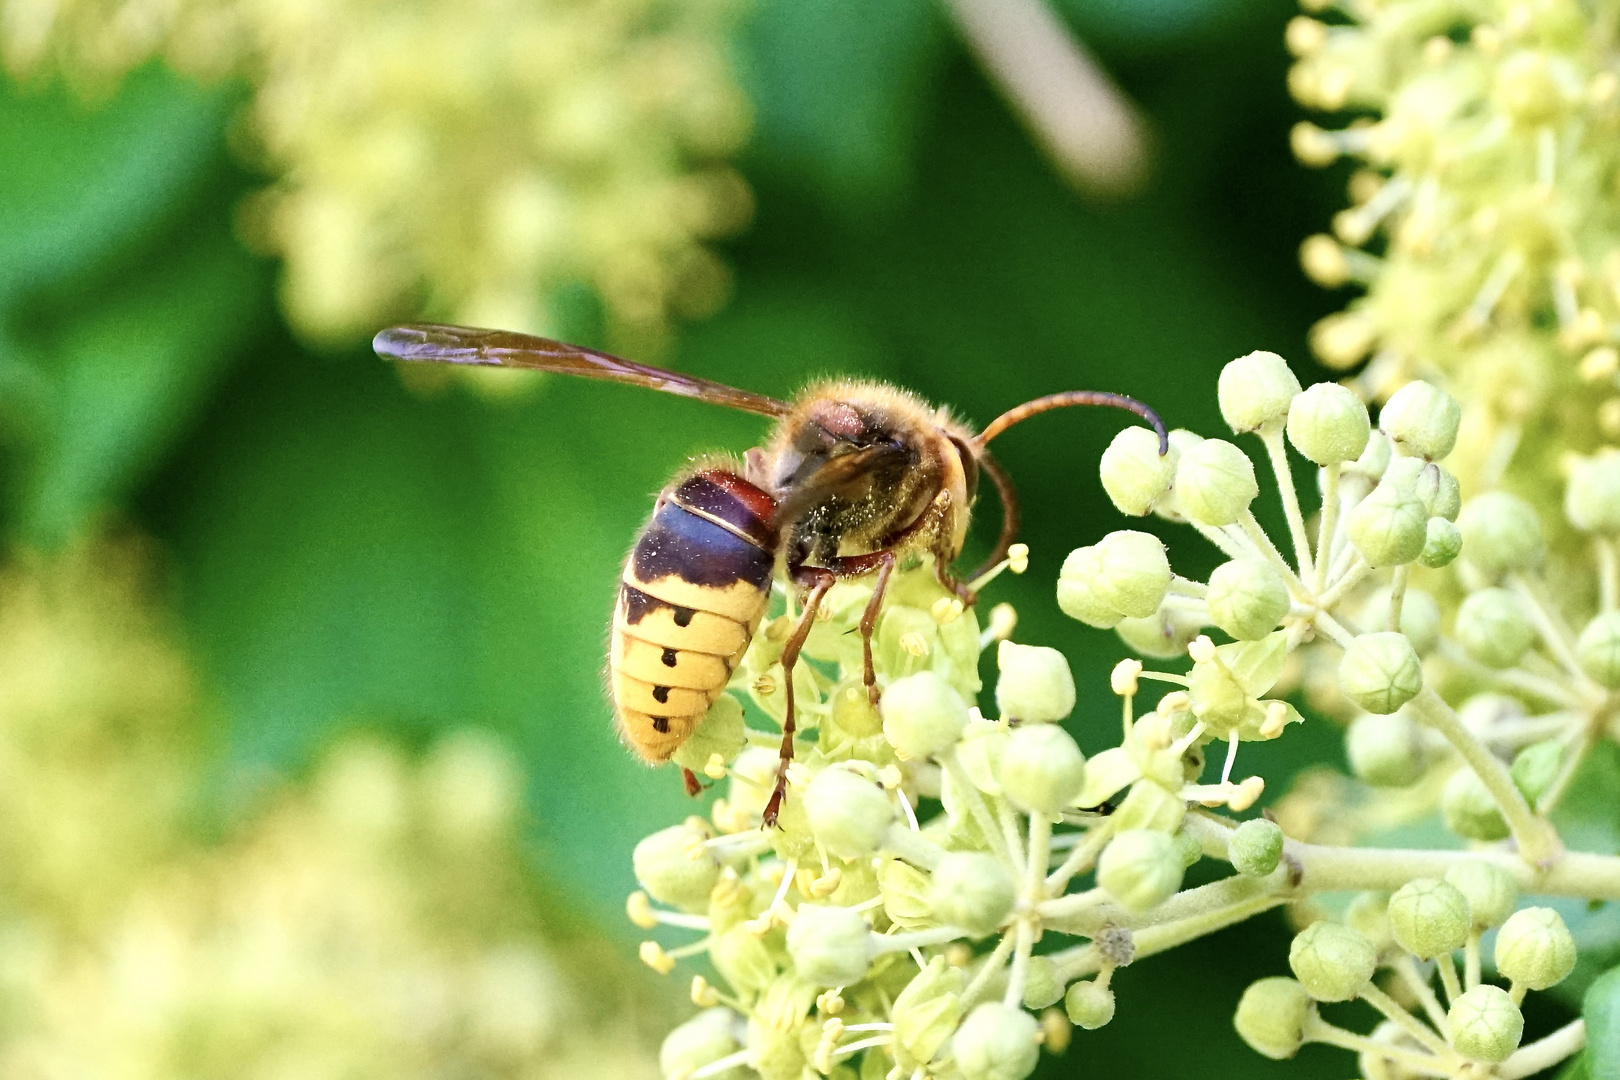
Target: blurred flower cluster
[[866, 937], [378, 922], [470, 162], [1485, 226]]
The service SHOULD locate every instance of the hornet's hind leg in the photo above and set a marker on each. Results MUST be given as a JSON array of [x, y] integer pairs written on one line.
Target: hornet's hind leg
[[819, 581]]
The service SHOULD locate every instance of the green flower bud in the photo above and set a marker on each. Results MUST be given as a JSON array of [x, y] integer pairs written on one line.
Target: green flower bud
[[675, 868], [830, 946], [1485, 1024], [1531, 89], [997, 1042], [1328, 424], [907, 894], [1255, 390], [1380, 672], [1042, 770], [1598, 650], [1535, 949], [980, 751], [1140, 869], [926, 1013], [1035, 683], [972, 890], [1490, 891], [706, 1038], [1133, 572], [777, 1030], [1214, 483], [1089, 1006], [1368, 915], [1332, 961], [1536, 767], [1469, 810], [1389, 526], [1041, 986], [1256, 847], [1272, 1016], [1442, 543], [1374, 459], [1162, 635], [1420, 617], [1385, 751], [743, 959], [1150, 806], [1500, 533], [1076, 590], [1188, 847], [849, 813], [1493, 627], [1592, 499], [1446, 501], [1429, 917], [1247, 598], [1134, 474], [1421, 420], [923, 715], [719, 732]]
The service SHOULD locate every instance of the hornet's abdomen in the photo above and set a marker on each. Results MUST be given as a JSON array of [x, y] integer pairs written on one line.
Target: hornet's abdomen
[[694, 590]]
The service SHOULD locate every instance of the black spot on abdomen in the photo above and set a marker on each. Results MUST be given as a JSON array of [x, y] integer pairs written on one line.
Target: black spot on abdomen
[[669, 657], [683, 616], [661, 724], [660, 694]]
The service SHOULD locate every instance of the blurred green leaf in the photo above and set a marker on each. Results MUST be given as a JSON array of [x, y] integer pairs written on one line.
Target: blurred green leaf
[[839, 88], [1601, 1009], [83, 178]]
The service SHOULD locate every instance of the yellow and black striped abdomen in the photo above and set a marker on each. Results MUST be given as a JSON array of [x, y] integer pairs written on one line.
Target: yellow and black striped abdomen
[[694, 589]]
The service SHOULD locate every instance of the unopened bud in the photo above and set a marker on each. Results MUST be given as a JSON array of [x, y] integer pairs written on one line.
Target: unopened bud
[[1385, 751], [1490, 891], [1592, 499], [1133, 572], [1389, 526], [1041, 986], [1598, 650], [1380, 672], [1420, 617], [1140, 868], [675, 867], [1089, 1006], [1501, 533], [1328, 424], [1485, 1024], [1469, 810], [1494, 628], [1536, 767], [743, 959], [1077, 595], [972, 890], [706, 1038], [926, 1013], [1442, 543], [849, 813], [1535, 949], [1272, 1016], [1035, 683], [1255, 390], [1429, 917], [1042, 769], [830, 946], [1162, 635], [1421, 420], [1332, 961], [1256, 847], [923, 715], [997, 1042], [1247, 598], [1134, 473], [1215, 483]]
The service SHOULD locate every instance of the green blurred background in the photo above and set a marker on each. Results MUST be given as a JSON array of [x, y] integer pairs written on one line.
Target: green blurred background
[[344, 553]]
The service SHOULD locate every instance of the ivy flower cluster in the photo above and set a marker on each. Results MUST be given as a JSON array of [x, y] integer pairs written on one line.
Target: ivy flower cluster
[[1484, 227], [471, 162], [948, 893]]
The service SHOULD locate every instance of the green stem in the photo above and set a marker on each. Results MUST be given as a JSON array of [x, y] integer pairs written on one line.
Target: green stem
[[1319, 1030], [1269, 552], [1081, 859], [1405, 1021], [1538, 843], [1277, 451], [1397, 596], [1544, 1053], [1608, 573], [987, 974], [1329, 525]]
